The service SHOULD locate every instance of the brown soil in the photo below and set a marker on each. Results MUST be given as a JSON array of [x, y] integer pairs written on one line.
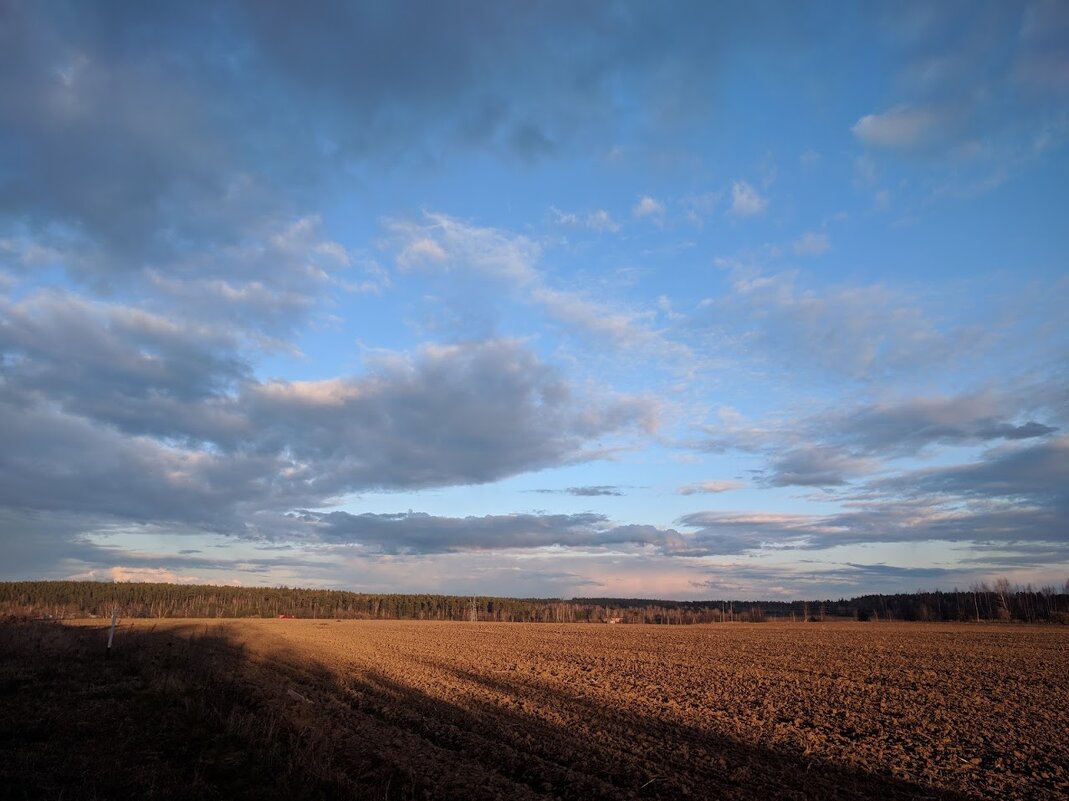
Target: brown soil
[[730, 711]]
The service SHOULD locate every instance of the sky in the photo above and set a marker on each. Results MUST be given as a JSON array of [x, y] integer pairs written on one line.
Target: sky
[[550, 299]]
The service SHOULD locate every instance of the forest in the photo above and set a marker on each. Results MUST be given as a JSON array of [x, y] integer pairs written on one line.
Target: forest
[[997, 601]]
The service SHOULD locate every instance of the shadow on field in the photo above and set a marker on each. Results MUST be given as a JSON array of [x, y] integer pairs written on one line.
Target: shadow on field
[[597, 752], [172, 715], [181, 713]]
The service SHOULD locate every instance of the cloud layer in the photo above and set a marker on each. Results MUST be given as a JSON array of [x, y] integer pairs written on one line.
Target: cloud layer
[[711, 297]]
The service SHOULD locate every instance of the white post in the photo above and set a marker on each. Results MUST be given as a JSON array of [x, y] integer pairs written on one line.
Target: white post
[[111, 634]]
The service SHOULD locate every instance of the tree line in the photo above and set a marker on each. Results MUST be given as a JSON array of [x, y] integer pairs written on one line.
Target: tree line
[[999, 601]]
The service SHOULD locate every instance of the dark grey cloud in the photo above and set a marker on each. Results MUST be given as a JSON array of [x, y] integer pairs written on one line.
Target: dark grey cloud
[[835, 447], [962, 79], [1027, 430], [38, 545], [132, 135], [1018, 554], [814, 466], [1010, 495], [54, 461], [116, 135], [458, 414], [810, 580], [523, 78], [55, 544], [530, 143], [851, 445], [890, 521], [909, 426], [939, 518], [111, 410], [881, 570], [735, 533], [419, 533], [585, 492], [140, 372], [1039, 473], [106, 556]]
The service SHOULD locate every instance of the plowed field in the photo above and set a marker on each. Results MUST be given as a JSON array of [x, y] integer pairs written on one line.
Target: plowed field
[[735, 711]]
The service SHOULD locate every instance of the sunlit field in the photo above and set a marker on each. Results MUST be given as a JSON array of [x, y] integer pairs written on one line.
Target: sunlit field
[[409, 709]]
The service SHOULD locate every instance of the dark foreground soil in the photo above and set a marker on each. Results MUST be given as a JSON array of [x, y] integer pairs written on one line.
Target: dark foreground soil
[[421, 710]]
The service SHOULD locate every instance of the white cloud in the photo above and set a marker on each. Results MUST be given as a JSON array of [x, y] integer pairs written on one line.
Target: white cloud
[[444, 242], [597, 220], [26, 253], [563, 217], [513, 259], [746, 201], [865, 171], [701, 206], [708, 487], [575, 310], [900, 128], [811, 243], [601, 220], [650, 207], [862, 331], [664, 305], [421, 250], [149, 574]]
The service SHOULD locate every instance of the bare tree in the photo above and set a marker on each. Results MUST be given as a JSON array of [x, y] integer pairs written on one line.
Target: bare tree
[[1002, 588]]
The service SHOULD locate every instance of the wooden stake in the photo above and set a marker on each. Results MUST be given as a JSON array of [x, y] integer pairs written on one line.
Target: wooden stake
[[111, 634]]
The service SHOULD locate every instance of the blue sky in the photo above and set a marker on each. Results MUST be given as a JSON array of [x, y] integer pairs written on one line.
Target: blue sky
[[677, 300]]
